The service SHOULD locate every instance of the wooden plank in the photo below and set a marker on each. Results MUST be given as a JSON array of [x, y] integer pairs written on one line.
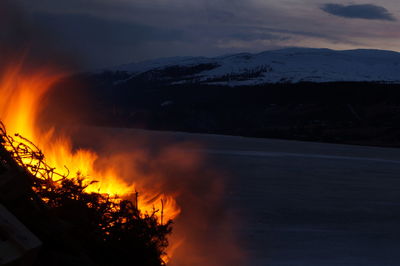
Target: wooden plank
[[18, 246]]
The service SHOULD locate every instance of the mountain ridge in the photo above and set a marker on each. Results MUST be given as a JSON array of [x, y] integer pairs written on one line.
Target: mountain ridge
[[289, 65]]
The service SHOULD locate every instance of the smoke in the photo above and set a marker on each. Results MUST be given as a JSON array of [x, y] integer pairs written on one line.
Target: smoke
[[27, 46], [21, 36], [203, 232]]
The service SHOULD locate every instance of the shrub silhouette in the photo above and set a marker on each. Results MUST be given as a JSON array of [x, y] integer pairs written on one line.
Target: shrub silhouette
[[76, 227]]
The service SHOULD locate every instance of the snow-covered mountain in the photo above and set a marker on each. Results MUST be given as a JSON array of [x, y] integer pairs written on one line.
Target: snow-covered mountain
[[289, 65]]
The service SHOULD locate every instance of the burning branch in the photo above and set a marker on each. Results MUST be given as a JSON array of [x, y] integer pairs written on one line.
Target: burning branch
[[104, 221]]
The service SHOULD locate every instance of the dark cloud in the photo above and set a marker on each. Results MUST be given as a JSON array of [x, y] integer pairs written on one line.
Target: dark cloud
[[91, 29], [104, 32], [365, 11], [97, 41]]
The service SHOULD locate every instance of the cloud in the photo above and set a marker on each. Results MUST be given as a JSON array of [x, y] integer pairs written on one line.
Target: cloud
[[113, 32], [252, 36], [364, 11], [91, 29], [97, 41]]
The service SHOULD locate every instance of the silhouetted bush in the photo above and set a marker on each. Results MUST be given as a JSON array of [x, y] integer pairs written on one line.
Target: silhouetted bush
[[76, 227]]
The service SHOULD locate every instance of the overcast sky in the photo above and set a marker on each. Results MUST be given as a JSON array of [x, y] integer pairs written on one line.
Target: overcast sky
[[112, 32]]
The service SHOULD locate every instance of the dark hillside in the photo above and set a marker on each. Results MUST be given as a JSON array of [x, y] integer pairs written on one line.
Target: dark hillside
[[341, 112]]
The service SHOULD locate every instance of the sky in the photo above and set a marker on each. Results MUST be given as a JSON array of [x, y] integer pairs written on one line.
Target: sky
[[112, 32]]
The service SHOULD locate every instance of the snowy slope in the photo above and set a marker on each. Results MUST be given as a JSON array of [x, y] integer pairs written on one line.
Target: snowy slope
[[279, 66]]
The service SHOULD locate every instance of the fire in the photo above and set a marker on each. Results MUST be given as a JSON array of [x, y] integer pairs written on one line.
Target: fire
[[22, 93]]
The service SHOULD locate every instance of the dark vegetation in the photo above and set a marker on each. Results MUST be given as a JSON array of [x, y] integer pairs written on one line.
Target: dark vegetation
[[76, 228], [246, 74], [342, 112]]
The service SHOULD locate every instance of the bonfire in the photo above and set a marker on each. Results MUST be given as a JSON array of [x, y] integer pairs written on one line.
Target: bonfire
[[110, 228], [71, 204]]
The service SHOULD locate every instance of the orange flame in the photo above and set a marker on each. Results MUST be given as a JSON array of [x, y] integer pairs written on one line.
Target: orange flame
[[21, 98]]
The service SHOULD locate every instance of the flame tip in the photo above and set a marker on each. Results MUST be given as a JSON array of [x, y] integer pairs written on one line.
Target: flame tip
[[21, 102]]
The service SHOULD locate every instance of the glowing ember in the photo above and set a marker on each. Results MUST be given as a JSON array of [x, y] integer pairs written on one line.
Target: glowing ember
[[21, 98]]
